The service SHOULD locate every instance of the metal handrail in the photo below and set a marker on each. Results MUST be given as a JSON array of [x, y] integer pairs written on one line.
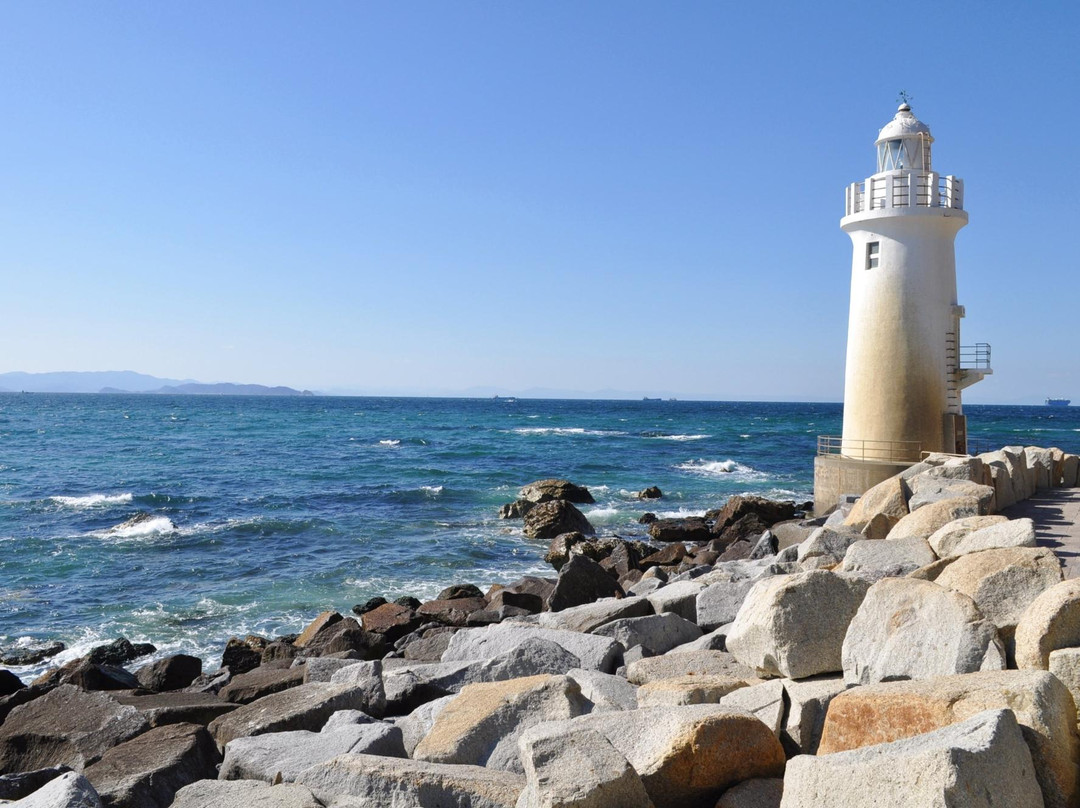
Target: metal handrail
[[896, 451], [904, 189], [975, 356]]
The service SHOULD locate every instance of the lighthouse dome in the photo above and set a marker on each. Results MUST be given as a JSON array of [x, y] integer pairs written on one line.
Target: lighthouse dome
[[904, 143]]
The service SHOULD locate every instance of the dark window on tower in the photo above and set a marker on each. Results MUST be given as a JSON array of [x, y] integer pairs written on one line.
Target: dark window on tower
[[873, 249]]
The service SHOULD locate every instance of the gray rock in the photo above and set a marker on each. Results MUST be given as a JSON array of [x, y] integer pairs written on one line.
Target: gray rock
[[264, 757], [826, 547], [177, 708], [977, 763], [244, 794], [907, 628], [926, 490], [366, 677], [678, 598], [893, 558], [66, 726], [594, 653], [687, 663], [347, 718], [715, 640], [419, 722], [589, 616], [70, 790], [321, 669], [794, 626], [148, 770], [606, 692], [647, 584], [719, 603], [765, 701], [764, 792], [378, 781], [658, 633], [578, 768], [1014, 533], [581, 580], [808, 704]]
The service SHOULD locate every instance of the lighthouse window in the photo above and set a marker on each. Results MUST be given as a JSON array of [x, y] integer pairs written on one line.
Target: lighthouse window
[[890, 155], [873, 250]]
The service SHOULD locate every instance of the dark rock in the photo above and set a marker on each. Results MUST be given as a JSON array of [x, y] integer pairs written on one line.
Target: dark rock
[[515, 510], [30, 656], [88, 675], [705, 557], [345, 636], [549, 519], [582, 580], [427, 649], [391, 620], [210, 682], [247, 687], [460, 591], [171, 673], [525, 601], [22, 696], [630, 578], [371, 603], [561, 546], [652, 492], [323, 623], [119, 652], [487, 617], [241, 656], [532, 585], [747, 528], [278, 651], [626, 556], [20, 785], [66, 726], [766, 546], [672, 554], [647, 518], [768, 511], [174, 707], [451, 612], [736, 551], [9, 682], [551, 490], [147, 771], [689, 529], [408, 601]]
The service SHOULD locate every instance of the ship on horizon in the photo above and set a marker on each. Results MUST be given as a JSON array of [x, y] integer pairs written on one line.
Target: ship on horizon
[[1058, 402]]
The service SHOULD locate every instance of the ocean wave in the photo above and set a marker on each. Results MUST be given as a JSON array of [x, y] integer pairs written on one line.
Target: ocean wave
[[155, 525], [390, 443], [714, 468], [92, 500], [681, 513], [603, 514], [562, 430], [669, 436], [432, 490]]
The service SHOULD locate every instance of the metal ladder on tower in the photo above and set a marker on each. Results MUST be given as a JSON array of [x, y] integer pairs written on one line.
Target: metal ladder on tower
[[952, 378]]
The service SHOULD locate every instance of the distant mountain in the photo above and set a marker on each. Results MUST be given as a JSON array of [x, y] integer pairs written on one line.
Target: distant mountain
[[229, 389], [85, 381]]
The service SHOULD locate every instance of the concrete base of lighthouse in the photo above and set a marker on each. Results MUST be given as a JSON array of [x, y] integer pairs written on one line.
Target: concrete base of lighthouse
[[836, 476]]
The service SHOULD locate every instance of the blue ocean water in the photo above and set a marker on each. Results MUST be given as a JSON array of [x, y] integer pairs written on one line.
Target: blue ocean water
[[266, 511]]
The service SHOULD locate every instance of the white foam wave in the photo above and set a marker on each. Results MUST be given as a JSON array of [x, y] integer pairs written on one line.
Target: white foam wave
[[681, 513], [432, 490], [92, 500], [563, 430], [681, 438], [714, 468], [602, 514], [389, 443], [148, 527]]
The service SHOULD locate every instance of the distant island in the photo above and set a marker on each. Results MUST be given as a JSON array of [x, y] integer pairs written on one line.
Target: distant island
[[128, 382]]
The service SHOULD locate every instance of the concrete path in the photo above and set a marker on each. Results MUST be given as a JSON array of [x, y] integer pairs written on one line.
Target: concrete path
[[1056, 513]]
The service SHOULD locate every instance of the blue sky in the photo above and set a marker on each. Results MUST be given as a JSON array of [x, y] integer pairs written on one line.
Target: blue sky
[[431, 197]]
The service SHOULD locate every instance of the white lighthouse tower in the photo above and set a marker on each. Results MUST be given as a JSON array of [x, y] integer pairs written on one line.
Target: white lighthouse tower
[[905, 367]]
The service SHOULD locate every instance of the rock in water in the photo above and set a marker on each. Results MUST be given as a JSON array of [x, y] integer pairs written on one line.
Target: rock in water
[[548, 519], [550, 490]]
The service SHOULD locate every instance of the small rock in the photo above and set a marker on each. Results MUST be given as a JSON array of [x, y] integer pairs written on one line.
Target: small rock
[[549, 519], [652, 492]]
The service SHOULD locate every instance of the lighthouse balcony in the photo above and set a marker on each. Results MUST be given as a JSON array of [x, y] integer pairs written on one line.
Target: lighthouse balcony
[[904, 189], [974, 365]]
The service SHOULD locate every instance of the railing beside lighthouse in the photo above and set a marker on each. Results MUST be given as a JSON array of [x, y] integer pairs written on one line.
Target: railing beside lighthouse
[[904, 189], [890, 451]]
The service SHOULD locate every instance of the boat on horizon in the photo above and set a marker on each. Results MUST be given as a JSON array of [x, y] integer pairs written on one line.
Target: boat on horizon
[[1058, 402]]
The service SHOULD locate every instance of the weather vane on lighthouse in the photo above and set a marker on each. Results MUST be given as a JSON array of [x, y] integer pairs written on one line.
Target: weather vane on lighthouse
[[904, 97]]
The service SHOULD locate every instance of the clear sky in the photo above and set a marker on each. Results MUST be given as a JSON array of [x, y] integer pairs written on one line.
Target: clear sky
[[425, 197]]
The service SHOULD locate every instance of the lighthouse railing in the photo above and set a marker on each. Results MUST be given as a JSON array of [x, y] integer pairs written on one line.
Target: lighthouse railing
[[904, 189], [891, 451]]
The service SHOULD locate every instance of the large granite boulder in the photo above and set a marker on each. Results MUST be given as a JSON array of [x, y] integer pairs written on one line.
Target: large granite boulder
[[66, 726], [481, 726], [679, 690], [825, 548], [160, 709], [594, 653], [793, 626], [878, 510], [264, 680], [171, 673], [687, 663], [148, 770], [888, 558], [656, 633], [1050, 622], [244, 794], [982, 762], [589, 616], [69, 790], [907, 628], [679, 597], [549, 519], [928, 488], [607, 692], [944, 539], [930, 518], [882, 713], [555, 489], [807, 706], [719, 602], [1013, 533]]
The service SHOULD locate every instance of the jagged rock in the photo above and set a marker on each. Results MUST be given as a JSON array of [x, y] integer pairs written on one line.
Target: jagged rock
[[719, 603], [687, 663], [18, 785], [657, 633], [31, 655], [66, 726], [119, 652], [321, 669], [930, 518], [883, 713], [525, 601], [908, 628], [764, 700], [69, 790], [687, 756], [391, 620], [679, 598], [595, 653], [549, 519], [582, 580], [764, 792], [576, 769], [793, 626], [1003, 582], [481, 726], [241, 656], [1013, 533], [892, 558], [161, 709], [748, 528], [652, 492], [210, 683], [515, 510], [247, 687], [366, 678], [554, 489], [690, 529], [419, 722], [672, 554], [324, 621], [878, 510], [148, 770], [767, 545], [454, 612], [1050, 622], [808, 703], [427, 649], [360, 609], [825, 548], [768, 511], [171, 673], [460, 591], [606, 692], [87, 675], [589, 616], [264, 757], [302, 707], [977, 763], [390, 781], [244, 794], [680, 690], [927, 489]]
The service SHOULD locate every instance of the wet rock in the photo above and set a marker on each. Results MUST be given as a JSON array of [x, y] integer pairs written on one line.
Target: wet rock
[[691, 529], [555, 489], [549, 519], [647, 518], [171, 673], [391, 620], [324, 621], [748, 528], [88, 675], [360, 609], [16, 657], [652, 492], [243, 655], [119, 652], [345, 636]]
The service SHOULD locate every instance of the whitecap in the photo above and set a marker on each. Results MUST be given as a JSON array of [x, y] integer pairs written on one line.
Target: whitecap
[[714, 468], [681, 437], [563, 430], [92, 500], [602, 514], [146, 527], [681, 513], [432, 490], [389, 443]]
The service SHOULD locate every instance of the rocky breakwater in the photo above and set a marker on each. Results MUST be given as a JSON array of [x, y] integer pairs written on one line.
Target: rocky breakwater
[[916, 650]]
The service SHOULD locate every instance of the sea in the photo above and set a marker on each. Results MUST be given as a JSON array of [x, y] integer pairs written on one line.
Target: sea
[[257, 513]]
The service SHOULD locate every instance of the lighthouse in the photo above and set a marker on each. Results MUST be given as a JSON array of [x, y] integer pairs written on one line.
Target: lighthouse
[[905, 367]]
